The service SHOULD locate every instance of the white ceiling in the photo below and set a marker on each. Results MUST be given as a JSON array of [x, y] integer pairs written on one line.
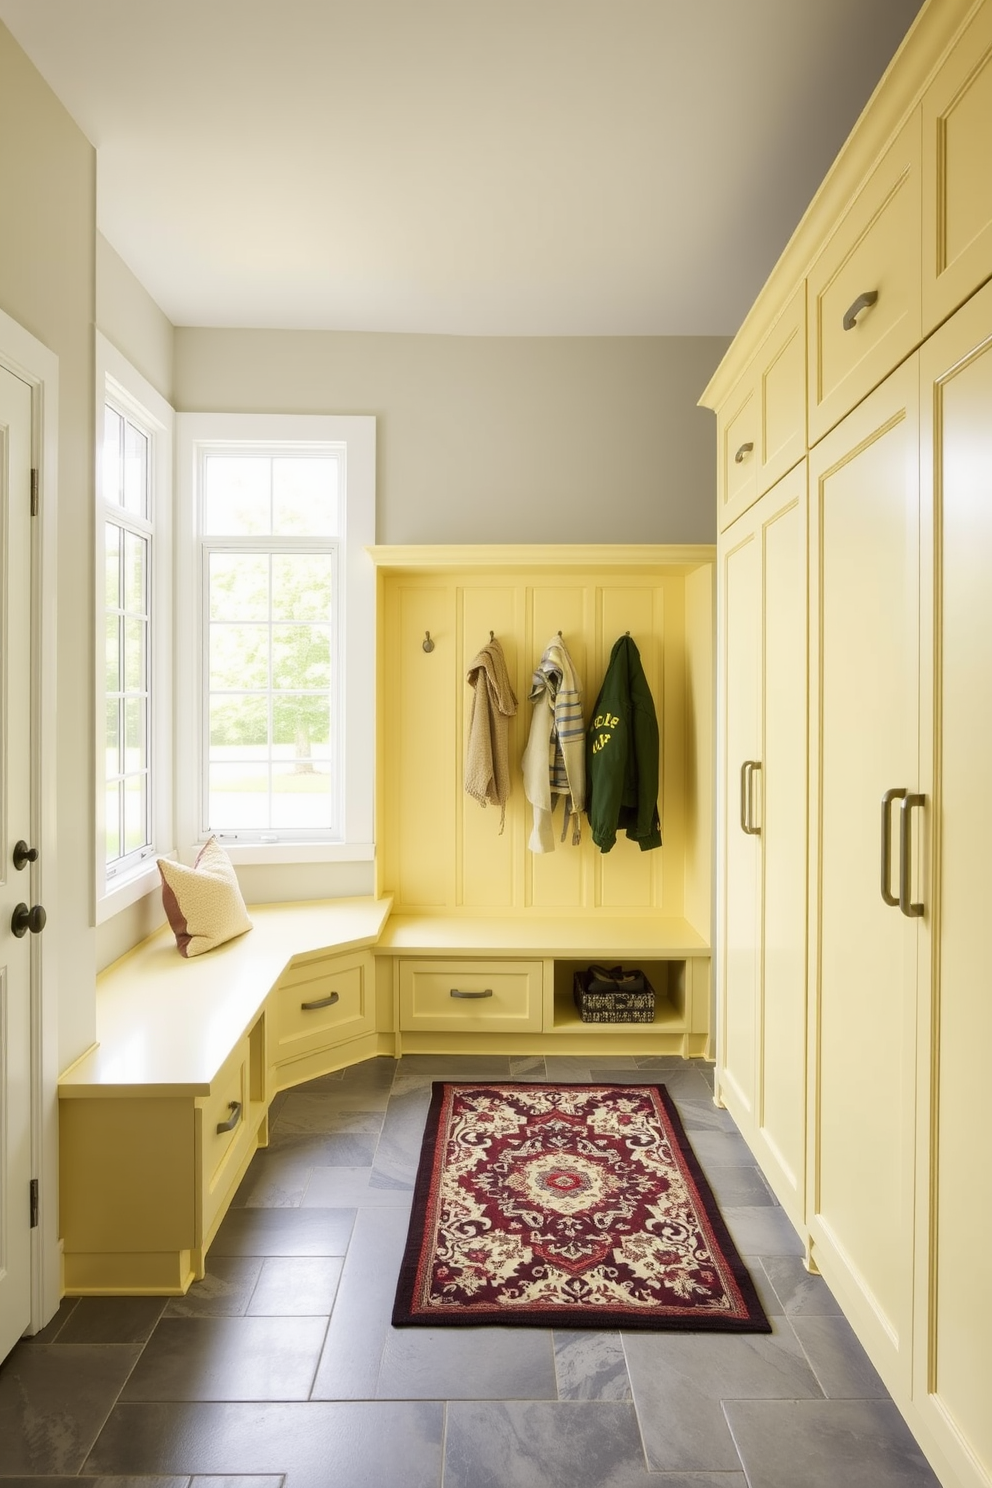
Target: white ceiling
[[487, 167]]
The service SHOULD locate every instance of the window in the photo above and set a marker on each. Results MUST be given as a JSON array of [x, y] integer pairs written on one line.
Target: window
[[278, 716], [134, 465]]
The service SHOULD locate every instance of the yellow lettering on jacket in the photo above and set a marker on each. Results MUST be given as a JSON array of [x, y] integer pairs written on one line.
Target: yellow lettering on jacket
[[601, 742], [605, 720]]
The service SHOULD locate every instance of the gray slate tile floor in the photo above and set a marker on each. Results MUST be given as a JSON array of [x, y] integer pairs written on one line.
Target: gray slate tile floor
[[281, 1369]]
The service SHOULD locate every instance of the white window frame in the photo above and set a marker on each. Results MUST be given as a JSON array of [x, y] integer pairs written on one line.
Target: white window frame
[[121, 384], [353, 437]]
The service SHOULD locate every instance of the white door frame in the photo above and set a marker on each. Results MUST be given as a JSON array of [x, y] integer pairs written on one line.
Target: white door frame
[[25, 356]]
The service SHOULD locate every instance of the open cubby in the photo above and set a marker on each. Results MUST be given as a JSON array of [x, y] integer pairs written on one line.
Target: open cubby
[[668, 978]]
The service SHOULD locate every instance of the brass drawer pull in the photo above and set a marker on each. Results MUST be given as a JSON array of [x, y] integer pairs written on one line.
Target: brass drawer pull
[[745, 449], [328, 1001], [232, 1120], [456, 993], [863, 302], [747, 775]]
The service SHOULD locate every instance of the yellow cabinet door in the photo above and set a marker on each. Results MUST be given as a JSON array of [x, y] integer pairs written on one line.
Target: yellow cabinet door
[[957, 180], [954, 1375], [319, 1004], [864, 726], [864, 288], [762, 893], [761, 427]]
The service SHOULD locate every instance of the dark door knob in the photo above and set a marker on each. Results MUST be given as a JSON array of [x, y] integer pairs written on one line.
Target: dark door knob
[[24, 919], [23, 855]]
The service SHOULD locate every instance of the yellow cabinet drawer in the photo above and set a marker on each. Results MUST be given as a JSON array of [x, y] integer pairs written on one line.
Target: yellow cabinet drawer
[[762, 425], [957, 180], [467, 996], [224, 1131], [864, 289], [320, 1004]]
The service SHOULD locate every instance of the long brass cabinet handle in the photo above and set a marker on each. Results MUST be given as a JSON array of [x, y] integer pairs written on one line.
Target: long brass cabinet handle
[[745, 449], [747, 775], [232, 1120], [328, 1001], [906, 856], [890, 795], [455, 992], [863, 302]]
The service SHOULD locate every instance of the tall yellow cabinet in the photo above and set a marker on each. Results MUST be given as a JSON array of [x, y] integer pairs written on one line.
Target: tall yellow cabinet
[[859, 1080]]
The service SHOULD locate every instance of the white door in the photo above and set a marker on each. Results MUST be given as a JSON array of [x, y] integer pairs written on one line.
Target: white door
[[15, 885]]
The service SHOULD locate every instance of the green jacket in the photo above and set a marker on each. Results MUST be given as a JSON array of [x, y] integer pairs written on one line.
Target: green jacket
[[622, 755]]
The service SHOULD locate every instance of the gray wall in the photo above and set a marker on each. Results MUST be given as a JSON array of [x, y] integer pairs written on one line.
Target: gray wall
[[47, 242], [493, 440]]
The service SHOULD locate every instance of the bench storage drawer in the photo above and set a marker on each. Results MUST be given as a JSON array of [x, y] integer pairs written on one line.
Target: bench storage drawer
[[319, 1004], [224, 1132], [471, 996]]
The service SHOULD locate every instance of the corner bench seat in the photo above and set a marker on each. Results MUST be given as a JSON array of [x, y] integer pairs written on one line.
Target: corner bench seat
[[159, 1120]]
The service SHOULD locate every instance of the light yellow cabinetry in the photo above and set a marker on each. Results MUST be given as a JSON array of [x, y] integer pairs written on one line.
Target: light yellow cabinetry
[[471, 996], [761, 889], [864, 724], [864, 288], [318, 1006], [953, 1355], [761, 425], [899, 714]]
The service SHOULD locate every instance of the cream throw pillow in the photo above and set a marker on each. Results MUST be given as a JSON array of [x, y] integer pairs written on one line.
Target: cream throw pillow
[[203, 903]]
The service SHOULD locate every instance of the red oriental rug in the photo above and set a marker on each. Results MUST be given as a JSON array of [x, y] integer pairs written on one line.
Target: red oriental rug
[[567, 1206]]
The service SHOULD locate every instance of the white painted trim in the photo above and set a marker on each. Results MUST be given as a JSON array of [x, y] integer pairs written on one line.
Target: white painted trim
[[357, 434], [135, 394], [36, 365]]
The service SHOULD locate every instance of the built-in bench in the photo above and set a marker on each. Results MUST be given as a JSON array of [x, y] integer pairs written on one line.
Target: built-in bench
[[160, 1119]]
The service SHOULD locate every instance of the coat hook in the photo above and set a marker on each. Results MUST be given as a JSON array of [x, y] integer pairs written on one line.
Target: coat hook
[[626, 632], [559, 635], [491, 637], [427, 643]]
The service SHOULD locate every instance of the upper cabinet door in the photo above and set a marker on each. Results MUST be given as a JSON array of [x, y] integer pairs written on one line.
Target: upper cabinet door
[[863, 290], [957, 178], [762, 423]]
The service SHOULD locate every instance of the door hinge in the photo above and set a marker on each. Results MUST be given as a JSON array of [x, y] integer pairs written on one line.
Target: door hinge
[[34, 493], [34, 1203]]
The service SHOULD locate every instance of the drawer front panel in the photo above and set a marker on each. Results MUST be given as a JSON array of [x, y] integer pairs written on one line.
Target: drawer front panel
[[321, 1004], [738, 426], [781, 378], [466, 996], [224, 1129], [957, 181], [864, 289]]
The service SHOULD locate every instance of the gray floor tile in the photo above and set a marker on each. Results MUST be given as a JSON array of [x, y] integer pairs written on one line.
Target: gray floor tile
[[838, 1360], [228, 1358], [661, 1062], [271, 1232], [740, 1188], [273, 1181], [467, 1364], [322, 1149], [699, 1480], [115, 1482], [705, 1116], [296, 1286], [591, 1366], [568, 1069], [355, 1444], [860, 1443], [520, 1444], [239, 1481], [350, 1188], [722, 1149], [54, 1398], [679, 1382], [306, 1112], [762, 1231], [767, 1294], [225, 1290], [687, 1085], [528, 1067], [55, 1324], [398, 1151], [800, 1291], [349, 1365], [112, 1320]]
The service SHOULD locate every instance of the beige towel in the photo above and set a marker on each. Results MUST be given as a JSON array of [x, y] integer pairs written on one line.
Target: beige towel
[[487, 756]]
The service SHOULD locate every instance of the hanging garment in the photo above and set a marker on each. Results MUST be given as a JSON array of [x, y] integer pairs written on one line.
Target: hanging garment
[[623, 754], [487, 754], [554, 759]]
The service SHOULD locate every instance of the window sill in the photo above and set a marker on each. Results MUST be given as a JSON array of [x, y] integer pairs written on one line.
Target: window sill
[[128, 889], [297, 852]]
